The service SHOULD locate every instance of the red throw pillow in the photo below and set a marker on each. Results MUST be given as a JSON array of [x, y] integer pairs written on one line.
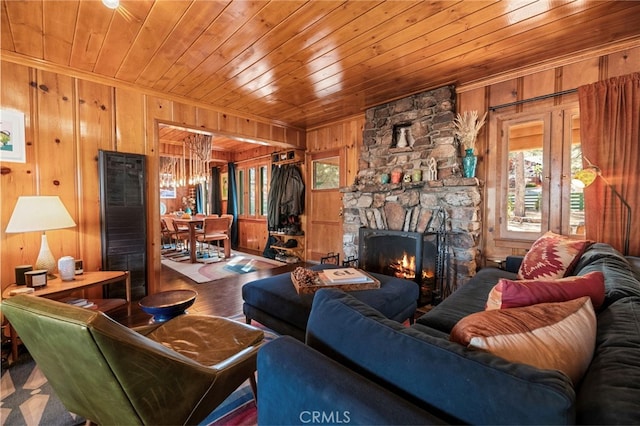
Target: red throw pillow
[[551, 256], [513, 294]]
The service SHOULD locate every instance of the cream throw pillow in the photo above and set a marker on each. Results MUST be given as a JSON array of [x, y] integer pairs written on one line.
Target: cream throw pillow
[[555, 336]]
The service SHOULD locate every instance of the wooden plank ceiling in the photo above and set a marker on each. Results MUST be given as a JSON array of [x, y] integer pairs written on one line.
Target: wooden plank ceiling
[[171, 139], [305, 63]]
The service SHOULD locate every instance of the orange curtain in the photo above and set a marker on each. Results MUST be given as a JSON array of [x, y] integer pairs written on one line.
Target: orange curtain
[[610, 137]]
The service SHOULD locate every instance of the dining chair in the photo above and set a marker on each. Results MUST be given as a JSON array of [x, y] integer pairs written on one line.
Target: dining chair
[[214, 229], [165, 233], [230, 217], [177, 234]]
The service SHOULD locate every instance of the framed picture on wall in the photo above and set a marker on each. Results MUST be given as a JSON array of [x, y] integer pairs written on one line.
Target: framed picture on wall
[[12, 142], [167, 186], [224, 185]]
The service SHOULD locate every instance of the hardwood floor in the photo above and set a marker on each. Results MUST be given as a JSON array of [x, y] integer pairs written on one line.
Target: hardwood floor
[[222, 297]]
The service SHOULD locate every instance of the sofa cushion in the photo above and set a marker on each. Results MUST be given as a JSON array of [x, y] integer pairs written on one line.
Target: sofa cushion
[[555, 336], [513, 294], [468, 298], [320, 391], [634, 261], [610, 390], [551, 256], [434, 372], [619, 278]]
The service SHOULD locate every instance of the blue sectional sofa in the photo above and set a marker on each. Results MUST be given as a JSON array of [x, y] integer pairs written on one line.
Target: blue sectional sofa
[[358, 367]]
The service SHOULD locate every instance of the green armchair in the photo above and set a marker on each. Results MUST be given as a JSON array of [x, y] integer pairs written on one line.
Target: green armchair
[[175, 372]]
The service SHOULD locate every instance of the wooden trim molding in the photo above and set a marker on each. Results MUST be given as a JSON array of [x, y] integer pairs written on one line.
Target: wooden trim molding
[[109, 81], [558, 62]]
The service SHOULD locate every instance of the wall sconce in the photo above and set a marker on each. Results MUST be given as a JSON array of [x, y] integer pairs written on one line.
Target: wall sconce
[[40, 213], [586, 177]]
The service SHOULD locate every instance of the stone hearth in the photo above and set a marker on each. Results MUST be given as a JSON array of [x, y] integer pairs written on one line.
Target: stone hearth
[[409, 205]]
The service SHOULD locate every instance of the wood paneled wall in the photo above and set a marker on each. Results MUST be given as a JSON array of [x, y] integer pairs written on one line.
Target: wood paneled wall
[[67, 120]]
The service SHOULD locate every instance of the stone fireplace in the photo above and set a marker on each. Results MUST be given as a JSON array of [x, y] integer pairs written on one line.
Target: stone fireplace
[[413, 137], [409, 255]]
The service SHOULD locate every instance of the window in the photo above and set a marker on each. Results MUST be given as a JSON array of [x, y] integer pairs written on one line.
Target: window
[[241, 192], [541, 152], [326, 173], [264, 190], [253, 189]]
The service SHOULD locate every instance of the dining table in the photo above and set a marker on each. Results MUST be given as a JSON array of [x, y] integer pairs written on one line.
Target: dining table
[[193, 223]]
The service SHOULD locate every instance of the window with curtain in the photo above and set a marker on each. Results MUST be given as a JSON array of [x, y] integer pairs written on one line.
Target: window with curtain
[[539, 153]]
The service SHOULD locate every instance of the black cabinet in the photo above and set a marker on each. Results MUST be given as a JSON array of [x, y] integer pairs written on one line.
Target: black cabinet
[[123, 220]]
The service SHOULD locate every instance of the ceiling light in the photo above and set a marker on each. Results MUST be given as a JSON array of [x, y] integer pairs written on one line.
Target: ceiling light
[[111, 4]]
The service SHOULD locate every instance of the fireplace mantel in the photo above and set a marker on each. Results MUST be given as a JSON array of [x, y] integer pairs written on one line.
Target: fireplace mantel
[[448, 182]]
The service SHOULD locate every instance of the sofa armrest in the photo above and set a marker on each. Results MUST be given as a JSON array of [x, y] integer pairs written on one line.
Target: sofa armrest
[[298, 385]]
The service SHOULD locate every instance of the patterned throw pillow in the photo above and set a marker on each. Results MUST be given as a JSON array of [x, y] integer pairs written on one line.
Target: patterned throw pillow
[[551, 256], [550, 336], [514, 294]]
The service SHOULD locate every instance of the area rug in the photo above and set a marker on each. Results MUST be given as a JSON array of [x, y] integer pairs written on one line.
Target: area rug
[[214, 268], [27, 399]]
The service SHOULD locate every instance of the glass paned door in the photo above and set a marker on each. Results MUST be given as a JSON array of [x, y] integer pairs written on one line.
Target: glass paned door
[[525, 187], [541, 154]]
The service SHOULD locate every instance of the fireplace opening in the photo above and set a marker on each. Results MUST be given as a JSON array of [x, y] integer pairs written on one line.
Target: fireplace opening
[[408, 255]]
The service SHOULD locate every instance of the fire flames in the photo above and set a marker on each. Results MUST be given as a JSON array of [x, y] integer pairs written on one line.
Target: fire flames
[[406, 268]]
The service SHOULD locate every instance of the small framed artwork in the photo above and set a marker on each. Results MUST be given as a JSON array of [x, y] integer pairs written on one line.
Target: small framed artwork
[[224, 185], [12, 142], [167, 186]]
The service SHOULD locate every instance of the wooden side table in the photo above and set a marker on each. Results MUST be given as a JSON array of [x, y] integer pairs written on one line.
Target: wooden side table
[[56, 288]]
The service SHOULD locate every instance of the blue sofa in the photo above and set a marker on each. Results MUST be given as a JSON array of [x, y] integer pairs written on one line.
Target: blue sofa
[[358, 367]]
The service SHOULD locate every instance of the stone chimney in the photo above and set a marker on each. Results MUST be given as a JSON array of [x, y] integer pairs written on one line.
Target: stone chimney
[[414, 136]]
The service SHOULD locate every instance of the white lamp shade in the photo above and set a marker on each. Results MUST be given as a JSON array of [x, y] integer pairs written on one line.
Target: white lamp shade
[[39, 213]]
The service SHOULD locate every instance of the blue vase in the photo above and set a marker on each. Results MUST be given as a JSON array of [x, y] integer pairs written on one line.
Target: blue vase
[[469, 162]]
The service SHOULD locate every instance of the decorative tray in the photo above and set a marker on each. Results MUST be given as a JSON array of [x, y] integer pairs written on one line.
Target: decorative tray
[[307, 281]]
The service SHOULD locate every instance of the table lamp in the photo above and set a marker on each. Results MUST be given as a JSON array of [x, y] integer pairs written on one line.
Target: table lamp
[[586, 177], [40, 213]]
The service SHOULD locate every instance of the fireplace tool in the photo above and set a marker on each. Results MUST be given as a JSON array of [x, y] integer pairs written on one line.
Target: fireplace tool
[[439, 228]]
